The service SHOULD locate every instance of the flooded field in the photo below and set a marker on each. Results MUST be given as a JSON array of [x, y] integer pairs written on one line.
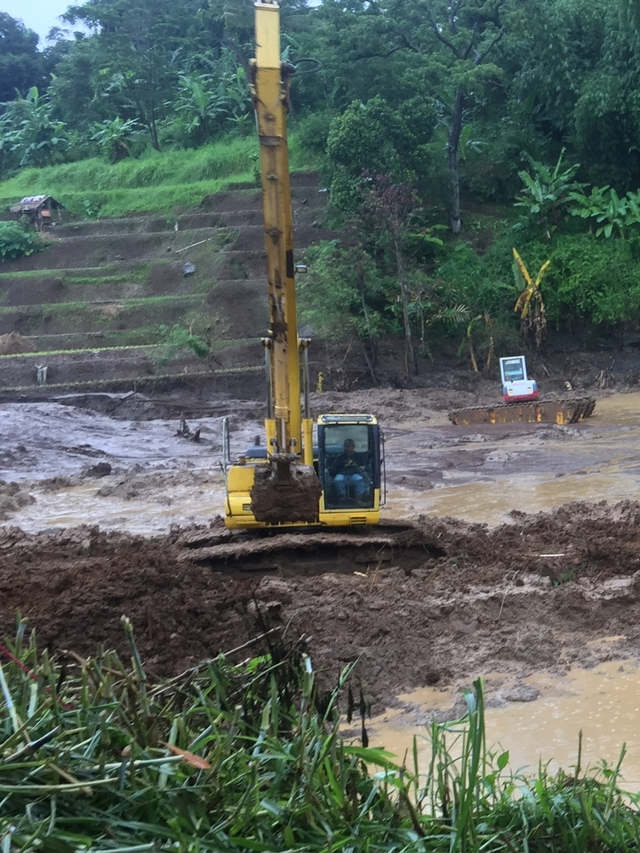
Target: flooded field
[[159, 479], [511, 581]]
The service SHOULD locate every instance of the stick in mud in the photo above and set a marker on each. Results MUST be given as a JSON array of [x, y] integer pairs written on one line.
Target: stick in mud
[[284, 491]]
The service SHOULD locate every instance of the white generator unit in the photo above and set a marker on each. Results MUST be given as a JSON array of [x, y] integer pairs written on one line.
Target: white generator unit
[[516, 385]]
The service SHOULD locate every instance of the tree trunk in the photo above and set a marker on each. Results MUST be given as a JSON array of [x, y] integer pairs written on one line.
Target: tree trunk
[[409, 355], [367, 358], [455, 216], [153, 127], [365, 311]]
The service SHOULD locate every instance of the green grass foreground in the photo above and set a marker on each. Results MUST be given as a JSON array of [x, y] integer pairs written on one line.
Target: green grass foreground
[[95, 755]]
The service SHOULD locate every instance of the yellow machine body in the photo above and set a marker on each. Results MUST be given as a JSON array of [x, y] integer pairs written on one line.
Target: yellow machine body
[[333, 512], [289, 429]]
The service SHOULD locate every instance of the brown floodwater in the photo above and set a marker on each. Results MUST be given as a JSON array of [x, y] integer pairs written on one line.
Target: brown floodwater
[[603, 703], [595, 460], [439, 470]]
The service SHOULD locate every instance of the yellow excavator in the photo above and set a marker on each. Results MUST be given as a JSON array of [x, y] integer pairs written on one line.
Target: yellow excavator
[[293, 480]]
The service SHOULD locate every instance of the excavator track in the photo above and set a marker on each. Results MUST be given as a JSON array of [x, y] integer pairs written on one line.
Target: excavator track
[[309, 551], [561, 412]]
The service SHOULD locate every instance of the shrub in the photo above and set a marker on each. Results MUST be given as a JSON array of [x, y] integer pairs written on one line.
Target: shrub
[[17, 240], [592, 280]]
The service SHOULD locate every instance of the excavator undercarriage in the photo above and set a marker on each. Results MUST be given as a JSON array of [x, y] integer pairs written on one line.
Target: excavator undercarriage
[[561, 412], [364, 550]]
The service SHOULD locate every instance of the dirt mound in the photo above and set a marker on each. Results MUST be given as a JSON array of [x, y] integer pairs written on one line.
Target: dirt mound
[[14, 343], [455, 601]]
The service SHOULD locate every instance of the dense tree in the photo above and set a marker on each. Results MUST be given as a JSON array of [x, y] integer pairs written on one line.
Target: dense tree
[[344, 296], [375, 138], [454, 41], [135, 41], [21, 65], [581, 78]]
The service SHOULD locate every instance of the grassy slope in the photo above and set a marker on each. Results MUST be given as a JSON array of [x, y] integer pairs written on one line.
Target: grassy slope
[[159, 181], [164, 183]]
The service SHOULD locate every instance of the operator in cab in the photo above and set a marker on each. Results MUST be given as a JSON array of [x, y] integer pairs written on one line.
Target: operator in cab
[[348, 469]]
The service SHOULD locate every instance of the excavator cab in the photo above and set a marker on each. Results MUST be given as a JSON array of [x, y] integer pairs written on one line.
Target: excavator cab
[[349, 466], [352, 484]]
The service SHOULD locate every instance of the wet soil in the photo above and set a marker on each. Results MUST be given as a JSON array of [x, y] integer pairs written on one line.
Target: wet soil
[[435, 603], [455, 600]]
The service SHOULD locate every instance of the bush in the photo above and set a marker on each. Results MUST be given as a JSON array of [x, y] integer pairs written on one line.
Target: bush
[[593, 280], [17, 240]]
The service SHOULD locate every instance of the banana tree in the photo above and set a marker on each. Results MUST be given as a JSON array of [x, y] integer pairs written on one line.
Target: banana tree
[[547, 190], [114, 137], [530, 304], [609, 210]]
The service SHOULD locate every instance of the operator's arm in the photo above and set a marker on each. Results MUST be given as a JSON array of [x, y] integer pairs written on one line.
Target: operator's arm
[[336, 465], [363, 461]]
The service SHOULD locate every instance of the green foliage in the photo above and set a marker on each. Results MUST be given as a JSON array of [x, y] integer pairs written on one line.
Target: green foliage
[[608, 209], [176, 339], [206, 103], [17, 240], [484, 283], [344, 293], [374, 138], [547, 191], [21, 65], [114, 137], [31, 133], [250, 757], [312, 132], [592, 280], [579, 74], [157, 181]]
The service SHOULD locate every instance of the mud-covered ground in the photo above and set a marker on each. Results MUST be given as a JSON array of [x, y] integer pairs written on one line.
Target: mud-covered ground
[[514, 599], [97, 508]]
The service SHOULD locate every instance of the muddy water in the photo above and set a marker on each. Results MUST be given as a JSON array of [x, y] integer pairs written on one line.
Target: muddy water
[[603, 703], [153, 510], [158, 478], [479, 474], [488, 474]]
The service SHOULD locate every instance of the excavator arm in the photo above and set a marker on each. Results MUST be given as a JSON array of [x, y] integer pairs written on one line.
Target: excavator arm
[[287, 489], [270, 80], [290, 483]]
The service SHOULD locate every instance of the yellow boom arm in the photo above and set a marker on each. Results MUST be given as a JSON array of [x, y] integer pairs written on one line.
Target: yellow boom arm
[[270, 91], [290, 485]]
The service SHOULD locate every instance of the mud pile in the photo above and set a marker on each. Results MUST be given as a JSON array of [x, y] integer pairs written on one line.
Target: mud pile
[[452, 601]]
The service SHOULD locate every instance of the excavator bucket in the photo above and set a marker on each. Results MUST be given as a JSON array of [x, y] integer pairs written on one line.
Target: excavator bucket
[[560, 412], [285, 491]]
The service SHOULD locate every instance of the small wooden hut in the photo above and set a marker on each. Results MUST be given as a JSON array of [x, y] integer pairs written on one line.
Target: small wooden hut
[[39, 209]]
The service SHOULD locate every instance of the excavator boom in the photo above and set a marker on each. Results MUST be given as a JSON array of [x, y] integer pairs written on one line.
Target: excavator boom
[[290, 482], [270, 80]]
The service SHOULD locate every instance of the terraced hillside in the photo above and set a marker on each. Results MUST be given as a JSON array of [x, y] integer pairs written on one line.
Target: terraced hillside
[[99, 303]]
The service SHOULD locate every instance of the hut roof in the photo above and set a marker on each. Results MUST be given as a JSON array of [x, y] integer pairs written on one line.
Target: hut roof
[[35, 202]]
